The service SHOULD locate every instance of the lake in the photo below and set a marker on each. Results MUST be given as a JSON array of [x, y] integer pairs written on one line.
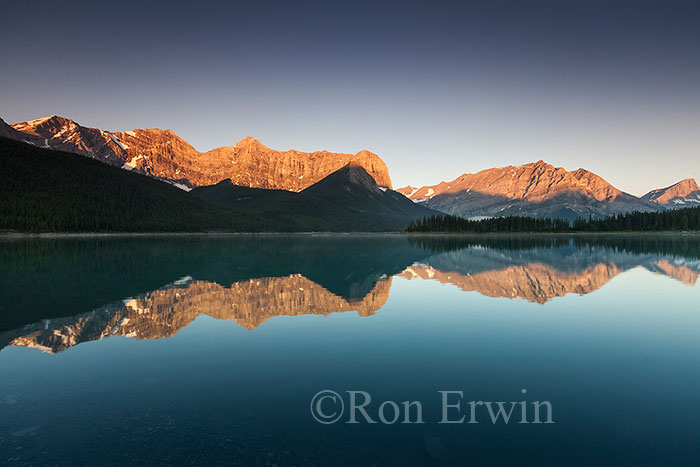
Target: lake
[[259, 350]]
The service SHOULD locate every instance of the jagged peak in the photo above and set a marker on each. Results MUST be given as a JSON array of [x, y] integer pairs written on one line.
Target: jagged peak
[[57, 120], [249, 142], [43, 121], [167, 131], [537, 165], [690, 182], [531, 181], [357, 174], [351, 173], [168, 134], [680, 189], [154, 130]]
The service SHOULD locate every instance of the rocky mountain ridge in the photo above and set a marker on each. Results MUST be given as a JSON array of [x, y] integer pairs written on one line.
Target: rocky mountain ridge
[[536, 189], [683, 194], [535, 181], [164, 155]]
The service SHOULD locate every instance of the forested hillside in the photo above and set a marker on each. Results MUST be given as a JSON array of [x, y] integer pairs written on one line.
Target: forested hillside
[[53, 191]]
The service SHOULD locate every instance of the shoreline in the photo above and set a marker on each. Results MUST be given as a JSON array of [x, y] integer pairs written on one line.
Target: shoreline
[[46, 235]]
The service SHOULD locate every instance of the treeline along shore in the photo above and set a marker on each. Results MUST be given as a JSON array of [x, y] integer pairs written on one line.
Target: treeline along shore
[[672, 220]]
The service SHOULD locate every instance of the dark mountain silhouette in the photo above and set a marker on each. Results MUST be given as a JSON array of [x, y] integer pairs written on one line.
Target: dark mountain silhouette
[[55, 191], [347, 197]]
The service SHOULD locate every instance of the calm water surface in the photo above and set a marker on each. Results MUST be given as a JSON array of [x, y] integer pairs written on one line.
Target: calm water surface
[[209, 350]]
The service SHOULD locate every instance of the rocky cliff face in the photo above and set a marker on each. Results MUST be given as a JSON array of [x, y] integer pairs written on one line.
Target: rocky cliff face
[[683, 194], [164, 155], [532, 182], [537, 189], [256, 165]]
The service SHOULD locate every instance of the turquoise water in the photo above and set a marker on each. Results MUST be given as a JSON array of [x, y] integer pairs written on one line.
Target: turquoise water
[[209, 350]]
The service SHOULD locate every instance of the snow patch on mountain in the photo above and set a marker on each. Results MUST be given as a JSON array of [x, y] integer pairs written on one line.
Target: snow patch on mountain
[[116, 140], [133, 162], [30, 123], [71, 127], [179, 185]]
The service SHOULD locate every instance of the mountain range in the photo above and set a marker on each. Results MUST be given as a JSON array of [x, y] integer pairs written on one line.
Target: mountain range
[[56, 191], [298, 190], [685, 193], [164, 155], [537, 189]]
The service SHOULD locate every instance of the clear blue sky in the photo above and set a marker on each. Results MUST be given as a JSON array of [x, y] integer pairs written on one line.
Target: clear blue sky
[[435, 88]]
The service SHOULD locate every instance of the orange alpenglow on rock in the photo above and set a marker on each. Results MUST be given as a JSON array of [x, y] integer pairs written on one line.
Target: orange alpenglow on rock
[[536, 181], [685, 193], [537, 190], [164, 155]]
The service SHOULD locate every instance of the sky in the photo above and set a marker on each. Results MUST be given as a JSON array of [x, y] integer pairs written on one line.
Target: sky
[[435, 88]]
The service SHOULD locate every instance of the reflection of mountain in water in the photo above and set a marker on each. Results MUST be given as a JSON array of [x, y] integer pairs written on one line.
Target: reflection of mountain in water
[[678, 269], [534, 282], [251, 279], [78, 275], [164, 312], [539, 275]]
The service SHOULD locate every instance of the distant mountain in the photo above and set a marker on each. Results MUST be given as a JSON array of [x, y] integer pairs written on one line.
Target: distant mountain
[[164, 155], [348, 197], [537, 189], [683, 194]]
